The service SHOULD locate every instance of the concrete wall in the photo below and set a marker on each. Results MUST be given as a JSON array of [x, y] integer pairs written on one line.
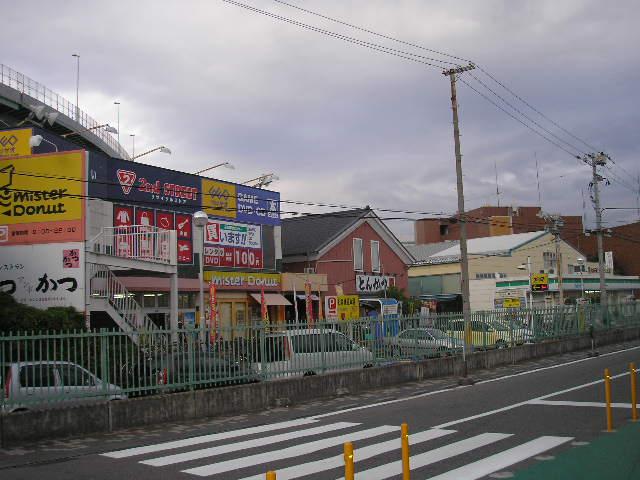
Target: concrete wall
[[24, 427]]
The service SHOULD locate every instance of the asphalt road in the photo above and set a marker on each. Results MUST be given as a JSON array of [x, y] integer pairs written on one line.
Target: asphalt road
[[510, 419]]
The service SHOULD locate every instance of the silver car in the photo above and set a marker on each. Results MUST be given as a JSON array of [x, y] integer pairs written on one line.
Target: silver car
[[42, 384], [422, 342]]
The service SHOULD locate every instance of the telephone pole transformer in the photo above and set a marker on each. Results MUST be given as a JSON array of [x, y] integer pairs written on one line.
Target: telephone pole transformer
[[464, 259]]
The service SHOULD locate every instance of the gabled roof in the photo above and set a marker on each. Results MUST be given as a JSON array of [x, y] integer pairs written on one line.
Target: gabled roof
[[498, 245], [423, 252], [310, 236]]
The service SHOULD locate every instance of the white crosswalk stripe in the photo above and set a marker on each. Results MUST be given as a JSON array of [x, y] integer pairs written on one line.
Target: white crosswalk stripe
[[305, 448], [499, 461], [363, 453], [432, 456], [234, 447], [259, 452]]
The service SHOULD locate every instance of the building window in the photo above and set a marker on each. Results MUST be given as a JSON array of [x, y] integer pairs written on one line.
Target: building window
[[549, 259], [375, 256], [358, 260], [484, 276]]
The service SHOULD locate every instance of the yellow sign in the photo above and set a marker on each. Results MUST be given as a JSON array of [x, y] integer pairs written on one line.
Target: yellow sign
[[15, 143], [539, 281], [244, 280], [348, 307], [511, 303], [219, 198]]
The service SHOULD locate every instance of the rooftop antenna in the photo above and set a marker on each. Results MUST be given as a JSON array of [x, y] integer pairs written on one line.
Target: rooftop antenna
[[498, 192], [538, 179]]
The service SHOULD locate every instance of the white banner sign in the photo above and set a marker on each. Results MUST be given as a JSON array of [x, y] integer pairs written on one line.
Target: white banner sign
[[232, 234], [372, 283], [45, 275], [608, 261]]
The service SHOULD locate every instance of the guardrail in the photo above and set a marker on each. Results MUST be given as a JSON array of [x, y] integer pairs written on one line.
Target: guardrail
[[137, 242], [20, 82], [44, 368]]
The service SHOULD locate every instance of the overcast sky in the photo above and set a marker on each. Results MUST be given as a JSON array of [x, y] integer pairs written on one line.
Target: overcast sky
[[344, 124]]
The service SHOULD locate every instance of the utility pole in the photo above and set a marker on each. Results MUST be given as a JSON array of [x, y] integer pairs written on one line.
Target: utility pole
[[555, 224], [596, 160], [464, 259]]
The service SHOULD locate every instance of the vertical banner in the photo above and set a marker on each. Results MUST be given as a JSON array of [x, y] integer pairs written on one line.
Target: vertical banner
[[264, 310], [295, 300], [319, 306], [213, 313], [308, 304]]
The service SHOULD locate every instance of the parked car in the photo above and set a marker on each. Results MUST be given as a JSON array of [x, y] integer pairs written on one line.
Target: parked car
[[483, 334], [310, 351], [521, 333], [422, 342], [186, 368], [41, 384]]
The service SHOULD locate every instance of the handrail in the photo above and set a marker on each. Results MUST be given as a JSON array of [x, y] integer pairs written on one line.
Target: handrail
[[25, 85], [137, 242]]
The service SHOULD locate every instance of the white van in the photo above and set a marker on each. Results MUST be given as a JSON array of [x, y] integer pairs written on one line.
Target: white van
[[310, 351]]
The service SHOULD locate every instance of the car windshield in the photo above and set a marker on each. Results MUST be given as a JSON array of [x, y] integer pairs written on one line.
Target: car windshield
[[437, 334], [498, 326]]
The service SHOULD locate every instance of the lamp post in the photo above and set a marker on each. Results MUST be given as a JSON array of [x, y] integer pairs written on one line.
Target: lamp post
[[161, 149], [77, 84], [200, 220], [133, 145], [36, 140], [117, 104], [527, 266], [223, 164], [263, 180], [107, 128]]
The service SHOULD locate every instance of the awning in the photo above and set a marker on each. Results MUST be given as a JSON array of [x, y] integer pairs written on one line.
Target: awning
[[304, 297], [271, 299]]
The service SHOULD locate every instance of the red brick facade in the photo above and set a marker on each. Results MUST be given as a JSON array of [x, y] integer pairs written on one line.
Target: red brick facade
[[337, 263]]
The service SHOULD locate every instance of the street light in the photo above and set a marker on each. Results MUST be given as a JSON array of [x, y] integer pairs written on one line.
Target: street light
[[133, 145], [77, 84], [36, 140], [263, 180], [527, 267], [107, 128], [200, 220], [223, 164], [161, 149]]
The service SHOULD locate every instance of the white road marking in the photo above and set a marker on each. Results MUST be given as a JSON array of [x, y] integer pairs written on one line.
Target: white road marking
[[290, 452], [499, 461], [244, 445], [444, 390], [421, 460], [567, 403], [526, 402], [362, 453], [187, 442]]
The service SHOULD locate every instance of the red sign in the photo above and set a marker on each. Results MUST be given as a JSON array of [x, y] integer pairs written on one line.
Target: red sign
[[164, 220], [233, 257], [184, 226], [185, 251], [145, 217], [122, 216]]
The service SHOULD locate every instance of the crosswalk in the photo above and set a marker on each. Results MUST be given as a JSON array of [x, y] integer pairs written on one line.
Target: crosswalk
[[309, 448]]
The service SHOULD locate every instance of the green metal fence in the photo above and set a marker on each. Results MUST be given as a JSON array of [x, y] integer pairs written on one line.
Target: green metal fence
[[40, 368]]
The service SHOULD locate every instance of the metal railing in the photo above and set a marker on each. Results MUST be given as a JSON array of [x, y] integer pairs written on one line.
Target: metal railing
[[138, 242], [20, 82], [132, 319], [35, 367]]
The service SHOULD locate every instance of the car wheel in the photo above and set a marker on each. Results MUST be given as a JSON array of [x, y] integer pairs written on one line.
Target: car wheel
[[309, 373], [368, 365], [501, 344]]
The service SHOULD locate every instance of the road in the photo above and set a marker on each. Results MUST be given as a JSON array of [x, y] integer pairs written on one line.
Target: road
[[510, 419]]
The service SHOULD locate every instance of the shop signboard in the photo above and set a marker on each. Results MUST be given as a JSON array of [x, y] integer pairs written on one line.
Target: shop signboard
[[219, 199], [255, 205], [42, 198], [331, 306], [15, 143], [233, 245], [539, 282], [372, 283], [143, 185], [56, 279], [348, 307], [244, 280]]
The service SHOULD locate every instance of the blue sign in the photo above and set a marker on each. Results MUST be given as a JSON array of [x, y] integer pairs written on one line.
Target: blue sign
[[258, 206], [144, 185]]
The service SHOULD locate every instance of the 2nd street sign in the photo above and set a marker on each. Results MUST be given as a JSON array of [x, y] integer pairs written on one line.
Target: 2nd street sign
[[539, 282]]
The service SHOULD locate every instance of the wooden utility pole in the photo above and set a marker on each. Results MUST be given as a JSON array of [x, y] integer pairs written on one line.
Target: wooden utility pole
[[464, 259]]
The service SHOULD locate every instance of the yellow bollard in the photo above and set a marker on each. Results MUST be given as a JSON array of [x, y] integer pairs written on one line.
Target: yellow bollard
[[348, 461], [634, 394], [271, 475], [406, 470], [607, 396]]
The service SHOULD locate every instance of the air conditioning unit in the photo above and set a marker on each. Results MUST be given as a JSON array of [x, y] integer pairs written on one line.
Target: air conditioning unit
[[310, 270]]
